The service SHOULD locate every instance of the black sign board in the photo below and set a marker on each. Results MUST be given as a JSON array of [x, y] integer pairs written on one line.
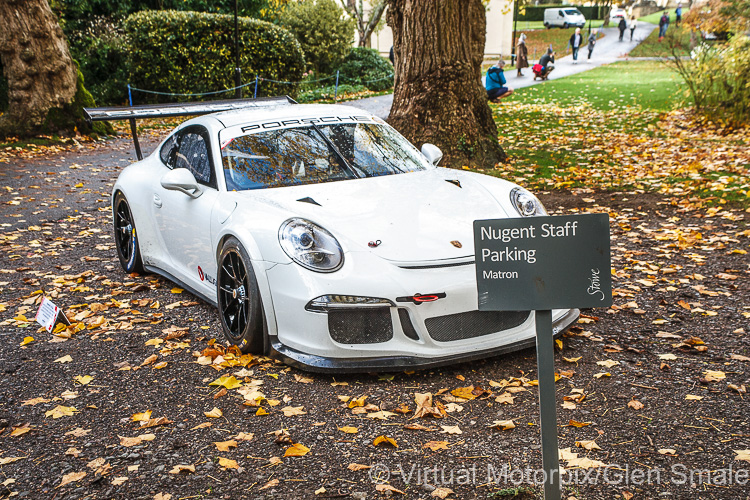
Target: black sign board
[[539, 263]]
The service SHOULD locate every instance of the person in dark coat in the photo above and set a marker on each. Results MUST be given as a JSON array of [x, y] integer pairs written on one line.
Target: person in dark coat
[[622, 27], [576, 40], [522, 54], [592, 42], [547, 62]]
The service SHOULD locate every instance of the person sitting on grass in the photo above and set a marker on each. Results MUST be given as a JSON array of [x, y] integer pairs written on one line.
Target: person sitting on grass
[[496, 83]]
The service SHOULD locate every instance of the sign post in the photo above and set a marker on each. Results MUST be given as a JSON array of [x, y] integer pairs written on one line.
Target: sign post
[[541, 264]]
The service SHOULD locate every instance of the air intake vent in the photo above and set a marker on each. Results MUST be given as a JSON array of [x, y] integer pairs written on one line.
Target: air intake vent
[[406, 325], [366, 326], [473, 324]]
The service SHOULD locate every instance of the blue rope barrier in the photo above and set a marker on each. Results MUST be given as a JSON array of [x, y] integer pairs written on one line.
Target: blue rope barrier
[[258, 79]]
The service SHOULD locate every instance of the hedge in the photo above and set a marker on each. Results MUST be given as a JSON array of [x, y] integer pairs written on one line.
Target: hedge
[[193, 52], [366, 67], [536, 12]]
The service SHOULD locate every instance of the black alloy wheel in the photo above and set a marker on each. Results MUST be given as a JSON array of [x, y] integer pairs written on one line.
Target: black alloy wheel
[[126, 237], [239, 299]]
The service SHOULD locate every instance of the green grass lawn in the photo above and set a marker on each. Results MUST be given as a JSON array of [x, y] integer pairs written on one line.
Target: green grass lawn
[[644, 84], [619, 127], [652, 47], [654, 18]]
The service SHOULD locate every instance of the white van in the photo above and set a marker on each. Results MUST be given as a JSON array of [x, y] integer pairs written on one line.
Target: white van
[[563, 17]]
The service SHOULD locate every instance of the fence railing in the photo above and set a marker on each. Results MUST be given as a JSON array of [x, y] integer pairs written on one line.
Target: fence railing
[[258, 80]]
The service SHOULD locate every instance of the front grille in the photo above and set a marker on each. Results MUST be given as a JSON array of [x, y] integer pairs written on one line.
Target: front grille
[[473, 324], [363, 326]]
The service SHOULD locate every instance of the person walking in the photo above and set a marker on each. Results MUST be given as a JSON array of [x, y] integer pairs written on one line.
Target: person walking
[[632, 26], [622, 27], [663, 25], [495, 82], [576, 40], [522, 54], [678, 15], [592, 42]]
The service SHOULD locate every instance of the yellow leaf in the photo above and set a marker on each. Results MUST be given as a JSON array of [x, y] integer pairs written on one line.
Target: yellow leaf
[[227, 381], [202, 426], [228, 463], [83, 379], [572, 360], [225, 445], [296, 450], [690, 397], [141, 417], [177, 290], [159, 366], [602, 374], [588, 445], [64, 359], [20, 430], [261, 411], [464, 392], [61, 411], [609, 363], [27, 340], [667, 357], [559, 343], [384, 440], [357, 402], [215, 413], [119, 480], [575, 423], [149, 360], [348, 430], [742, 455], [154, 342]]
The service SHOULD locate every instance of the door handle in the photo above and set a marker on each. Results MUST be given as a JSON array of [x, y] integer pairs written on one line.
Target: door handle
[[157, 201]]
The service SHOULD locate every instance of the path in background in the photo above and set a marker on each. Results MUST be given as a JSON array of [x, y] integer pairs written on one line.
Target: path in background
[[608, 50]]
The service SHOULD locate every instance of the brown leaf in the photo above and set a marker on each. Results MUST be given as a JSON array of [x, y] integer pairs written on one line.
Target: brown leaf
[[71, 478], [228, 463], [436, 445], [356, 467], [179, 469], [636, 405], [270, 484], [387, 487], [225, 445], [149, 360], [425, 407], [442, 492]]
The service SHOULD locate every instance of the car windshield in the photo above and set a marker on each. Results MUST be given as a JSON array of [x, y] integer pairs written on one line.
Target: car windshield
[[316, 154], [572, 11]]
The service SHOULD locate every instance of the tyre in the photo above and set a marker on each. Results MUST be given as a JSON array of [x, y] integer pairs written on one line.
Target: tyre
[[126, 237], [238, 298], [565, 26], [546, 25]]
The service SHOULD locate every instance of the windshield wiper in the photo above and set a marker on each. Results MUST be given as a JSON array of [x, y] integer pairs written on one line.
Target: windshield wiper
[[333, 147]]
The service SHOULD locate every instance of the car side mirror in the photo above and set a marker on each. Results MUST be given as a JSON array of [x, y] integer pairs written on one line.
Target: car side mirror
[[181, 179], [432, 153]]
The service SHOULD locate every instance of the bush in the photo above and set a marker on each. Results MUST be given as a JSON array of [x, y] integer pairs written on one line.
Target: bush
[[324, 33], [191, 52], [100, 47], [366, 67], [718, 79]]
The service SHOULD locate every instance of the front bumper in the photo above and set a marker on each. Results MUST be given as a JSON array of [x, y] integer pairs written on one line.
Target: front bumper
[[404, 335], [322, 364]]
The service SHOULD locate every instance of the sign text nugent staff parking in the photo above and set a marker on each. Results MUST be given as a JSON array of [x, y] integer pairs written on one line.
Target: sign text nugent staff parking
[[539, 263]]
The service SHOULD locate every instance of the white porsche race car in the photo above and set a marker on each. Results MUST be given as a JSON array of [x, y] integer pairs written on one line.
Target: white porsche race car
[[323, 237]]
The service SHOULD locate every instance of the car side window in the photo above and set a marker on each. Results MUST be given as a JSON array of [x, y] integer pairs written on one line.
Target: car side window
[[193, 155], [168, 150]]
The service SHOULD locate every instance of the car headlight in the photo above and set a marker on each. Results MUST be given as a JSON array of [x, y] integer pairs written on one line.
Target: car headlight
[[526, 203], [310, 246]]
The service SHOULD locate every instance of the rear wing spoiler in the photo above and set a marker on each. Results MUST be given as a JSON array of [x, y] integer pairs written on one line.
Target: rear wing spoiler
[[133, 113]]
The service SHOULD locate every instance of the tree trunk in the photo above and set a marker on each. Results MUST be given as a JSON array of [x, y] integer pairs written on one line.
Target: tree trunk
[[36, 61], [438, 95]]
